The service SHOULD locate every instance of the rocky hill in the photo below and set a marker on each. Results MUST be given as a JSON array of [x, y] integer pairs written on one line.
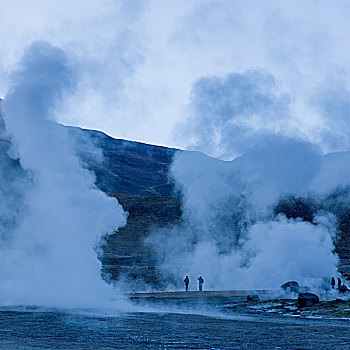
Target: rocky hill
[[124, 254], [125, 166], [137, 175]]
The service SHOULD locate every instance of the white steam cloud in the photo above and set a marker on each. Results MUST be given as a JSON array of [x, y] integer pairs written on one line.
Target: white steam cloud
[[230, 234], [59, 216], [137, 60], [230, 115]]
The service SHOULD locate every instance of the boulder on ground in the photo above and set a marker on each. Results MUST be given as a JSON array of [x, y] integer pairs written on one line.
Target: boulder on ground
[[307, 299], [343, 289], [291, 286], [253, 297]]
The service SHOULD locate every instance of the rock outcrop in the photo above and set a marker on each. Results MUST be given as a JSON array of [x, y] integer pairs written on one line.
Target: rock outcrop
[[291, 286], [307, 299]]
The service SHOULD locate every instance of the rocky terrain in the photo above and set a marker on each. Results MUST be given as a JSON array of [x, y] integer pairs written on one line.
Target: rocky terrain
[[125, 255], [125, 166], [337, 308]]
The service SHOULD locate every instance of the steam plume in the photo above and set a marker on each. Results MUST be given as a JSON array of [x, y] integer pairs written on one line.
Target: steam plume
[[49, 255], [230, 232]]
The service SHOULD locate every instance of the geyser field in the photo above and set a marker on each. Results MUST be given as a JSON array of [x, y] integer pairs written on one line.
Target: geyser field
[[272, 215], [248, 198]]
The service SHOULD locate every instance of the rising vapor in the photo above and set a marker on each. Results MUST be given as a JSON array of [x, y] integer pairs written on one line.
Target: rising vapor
[[49, 236], [230, 231]]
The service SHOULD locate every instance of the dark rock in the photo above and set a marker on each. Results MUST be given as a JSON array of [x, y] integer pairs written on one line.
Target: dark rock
[[307, 299], [343, 289], [291, 286], [253, 297], [294, 208]]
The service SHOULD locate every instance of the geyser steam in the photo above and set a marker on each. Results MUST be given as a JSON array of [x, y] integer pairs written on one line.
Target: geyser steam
[[57, 215], [230, 232]]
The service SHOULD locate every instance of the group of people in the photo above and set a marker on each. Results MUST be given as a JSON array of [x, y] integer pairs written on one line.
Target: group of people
[[200, 283], [333, 282], [342, 288]]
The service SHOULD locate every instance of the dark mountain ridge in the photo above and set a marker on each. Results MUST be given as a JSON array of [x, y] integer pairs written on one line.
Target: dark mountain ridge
[[127, 167]]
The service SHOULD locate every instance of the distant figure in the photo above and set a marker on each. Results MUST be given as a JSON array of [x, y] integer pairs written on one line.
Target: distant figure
[[200, 283], [333, 283], [187, 282], [339, 283]]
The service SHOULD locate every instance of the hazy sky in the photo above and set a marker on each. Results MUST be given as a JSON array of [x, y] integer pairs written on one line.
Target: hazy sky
[[195, 74]]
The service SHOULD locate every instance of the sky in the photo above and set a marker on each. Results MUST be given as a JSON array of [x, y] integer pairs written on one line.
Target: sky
[[194, 74]]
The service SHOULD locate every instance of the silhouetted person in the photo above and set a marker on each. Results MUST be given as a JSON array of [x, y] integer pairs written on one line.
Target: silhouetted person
[[187, 282], [339, 283], [200, 283], [333, 282]]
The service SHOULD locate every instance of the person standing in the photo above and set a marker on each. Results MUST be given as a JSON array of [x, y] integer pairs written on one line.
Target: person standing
[[339, 283], [200, 283], [333, 282], [187, 282]]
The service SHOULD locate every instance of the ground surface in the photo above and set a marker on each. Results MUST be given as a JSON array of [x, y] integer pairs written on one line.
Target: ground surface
[[333, 305], [58, 330]]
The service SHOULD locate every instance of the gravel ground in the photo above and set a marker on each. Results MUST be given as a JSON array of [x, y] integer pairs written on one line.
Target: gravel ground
[[56, 330]]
